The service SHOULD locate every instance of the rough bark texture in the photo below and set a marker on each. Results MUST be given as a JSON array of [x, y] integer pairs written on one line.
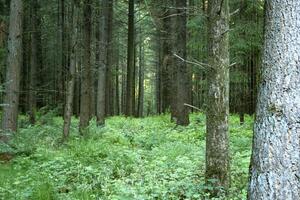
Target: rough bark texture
[[130, 91], [86, 71], [71, 77], [103, 43], [14, 63], [217, 145], [275, 170]]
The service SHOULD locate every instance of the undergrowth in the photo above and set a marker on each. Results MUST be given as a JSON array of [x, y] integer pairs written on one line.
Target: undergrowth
[[127, 159]]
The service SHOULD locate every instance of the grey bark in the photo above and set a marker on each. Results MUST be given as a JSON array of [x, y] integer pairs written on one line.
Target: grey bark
[[14, 63], [275, 170], [217, 144]]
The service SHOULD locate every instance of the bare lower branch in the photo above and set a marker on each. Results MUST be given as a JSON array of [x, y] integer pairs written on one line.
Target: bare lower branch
[[197, 63], [188, 105]]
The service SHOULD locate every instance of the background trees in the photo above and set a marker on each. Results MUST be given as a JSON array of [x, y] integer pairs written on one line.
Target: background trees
[[153, 51]]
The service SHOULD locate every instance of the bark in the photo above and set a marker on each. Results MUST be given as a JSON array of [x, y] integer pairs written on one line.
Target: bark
[[180, 75], [86, 71], [102, 70], [275, 169], [110, 63], [33, 62], [14, 63], [217, 144], [130, 86], [166, 63], [141, 79], [117, 82], [71, 77]]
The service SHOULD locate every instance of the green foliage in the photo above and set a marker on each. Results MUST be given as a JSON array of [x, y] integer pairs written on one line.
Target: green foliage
[[147, 158]]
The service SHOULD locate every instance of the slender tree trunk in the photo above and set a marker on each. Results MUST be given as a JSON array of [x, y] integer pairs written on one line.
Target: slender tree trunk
[[275, 168], [117, 84], [141, 79], [110, 63], [33, 61], [102, 71], [130, 91], [14, 63], [217, 144], [166, 62], [86, 71], [180, 87], [71, 78]]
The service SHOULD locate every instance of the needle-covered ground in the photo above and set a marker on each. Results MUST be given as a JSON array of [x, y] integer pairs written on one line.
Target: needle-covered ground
[[128, 159]]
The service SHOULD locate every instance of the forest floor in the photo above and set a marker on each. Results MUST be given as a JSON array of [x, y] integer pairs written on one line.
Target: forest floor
[[128, 159]]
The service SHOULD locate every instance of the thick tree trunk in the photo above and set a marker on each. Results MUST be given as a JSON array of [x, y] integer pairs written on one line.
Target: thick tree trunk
[[102, 70], [14, 63], [217, 144], [71, 77], [130, 91], [86, 71], [275, 169]]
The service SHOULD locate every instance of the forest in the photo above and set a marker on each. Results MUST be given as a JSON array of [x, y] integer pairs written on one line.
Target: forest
[[149, 99]]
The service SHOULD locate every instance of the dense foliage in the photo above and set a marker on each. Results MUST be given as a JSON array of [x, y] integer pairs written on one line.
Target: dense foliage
[[147, 158]]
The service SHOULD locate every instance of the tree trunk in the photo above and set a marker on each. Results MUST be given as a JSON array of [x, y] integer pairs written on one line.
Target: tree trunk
[[130, 91], [217, 144], [86, 71], [14, 63], [275, 169], [141, 79], [180, 87], [109, 102], [34, 62], [71, 78], [166, 63], [102, 70]]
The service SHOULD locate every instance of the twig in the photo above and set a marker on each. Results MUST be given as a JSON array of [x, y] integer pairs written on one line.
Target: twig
[[188, 105], [199, 64], [235, 12]]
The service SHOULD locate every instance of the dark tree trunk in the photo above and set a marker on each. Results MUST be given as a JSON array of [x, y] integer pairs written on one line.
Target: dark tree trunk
[[14, 63], [217, 141], [110, 64], [141, 80], [180, 87], [166, 63], [275, 168], [102, 71], [34, 63], [86, 70], [130, 91]]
